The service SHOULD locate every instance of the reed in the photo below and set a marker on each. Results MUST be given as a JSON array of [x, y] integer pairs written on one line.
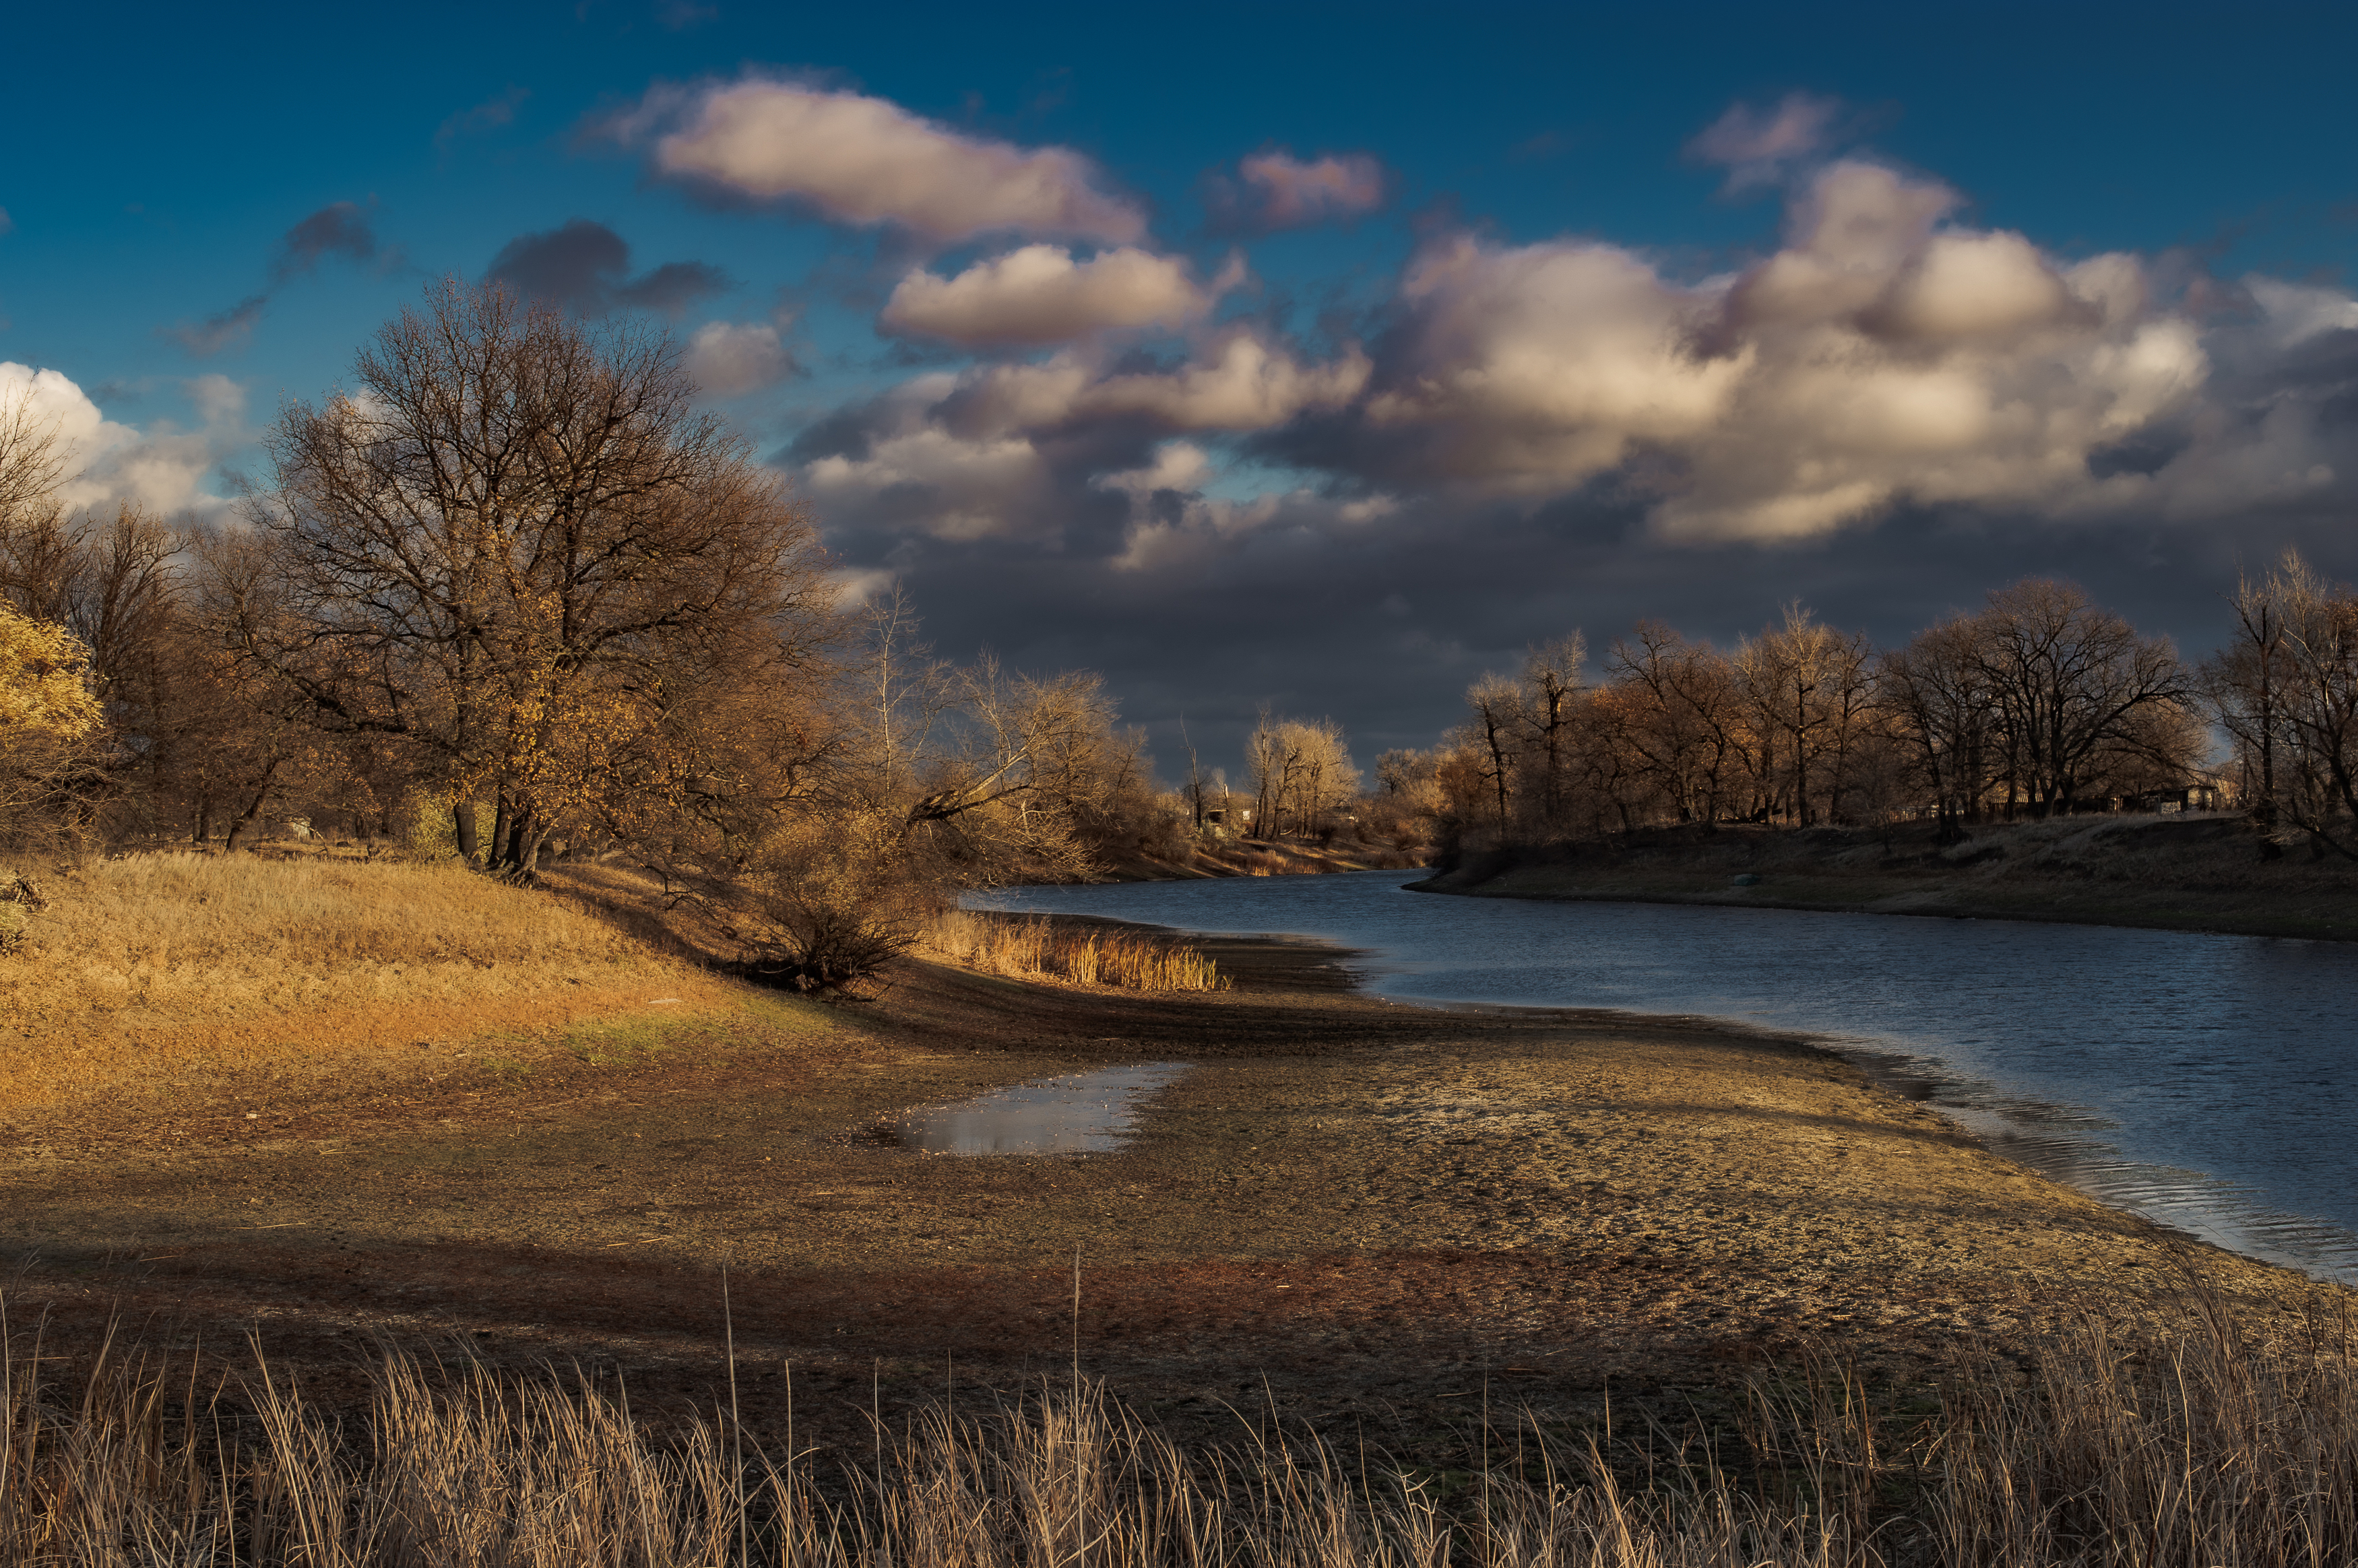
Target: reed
[[2204, 1445], [1032, 946]]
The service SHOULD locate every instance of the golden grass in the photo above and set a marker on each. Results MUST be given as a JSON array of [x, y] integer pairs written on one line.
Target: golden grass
[[143, 965], [1003, 944], [2191, 1449]]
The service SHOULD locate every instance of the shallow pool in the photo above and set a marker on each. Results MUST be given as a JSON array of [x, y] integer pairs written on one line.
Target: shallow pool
[[1078, 1113]]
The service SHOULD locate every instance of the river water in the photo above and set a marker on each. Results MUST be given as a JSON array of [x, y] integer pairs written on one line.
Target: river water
[[2207, 1082]]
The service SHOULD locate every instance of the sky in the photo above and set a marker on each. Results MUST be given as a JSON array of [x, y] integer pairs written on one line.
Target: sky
[[1315, 358]]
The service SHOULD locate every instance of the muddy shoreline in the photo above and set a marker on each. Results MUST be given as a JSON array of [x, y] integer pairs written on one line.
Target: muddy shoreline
[[1362, 1212]]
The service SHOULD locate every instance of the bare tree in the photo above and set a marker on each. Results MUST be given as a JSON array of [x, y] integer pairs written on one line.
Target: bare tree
[[1494, 728], [1807, 687], [506, 545], [2068, 681], [2245, 684], [2319, 703], [1938, 695], [1553, 682], [32, 462]]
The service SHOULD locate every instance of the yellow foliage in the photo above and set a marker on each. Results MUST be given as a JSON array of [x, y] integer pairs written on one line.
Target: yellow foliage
[[44, 682]]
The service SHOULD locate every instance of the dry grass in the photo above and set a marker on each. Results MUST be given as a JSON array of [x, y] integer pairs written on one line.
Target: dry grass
[[2193, 1450], [1031, 947], [146, 964]]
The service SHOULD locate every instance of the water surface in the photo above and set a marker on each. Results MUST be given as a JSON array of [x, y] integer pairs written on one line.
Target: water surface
[[1077, 1113], [2204, 1081]]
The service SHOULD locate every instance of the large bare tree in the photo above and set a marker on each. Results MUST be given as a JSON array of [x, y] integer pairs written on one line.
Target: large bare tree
[[509, 544]]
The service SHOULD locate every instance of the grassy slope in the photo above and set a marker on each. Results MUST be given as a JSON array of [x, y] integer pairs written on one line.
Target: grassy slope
[[2193, 873], [168, 978]]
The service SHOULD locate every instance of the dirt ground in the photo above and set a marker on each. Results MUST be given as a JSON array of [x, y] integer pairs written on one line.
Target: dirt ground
[[1362, 1215]]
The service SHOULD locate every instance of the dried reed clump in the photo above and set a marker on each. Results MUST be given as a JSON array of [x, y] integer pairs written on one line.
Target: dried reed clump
[[2186, 1450], [1018, 945]]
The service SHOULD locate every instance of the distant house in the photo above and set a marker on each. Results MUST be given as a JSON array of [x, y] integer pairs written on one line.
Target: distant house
[[1227, 810]]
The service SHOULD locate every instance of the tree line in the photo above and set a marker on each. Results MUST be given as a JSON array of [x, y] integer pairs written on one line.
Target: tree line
[[512, 591], [2038, 703]]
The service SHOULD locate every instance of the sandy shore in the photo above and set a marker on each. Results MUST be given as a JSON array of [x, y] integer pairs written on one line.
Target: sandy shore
[[1367, 1212]]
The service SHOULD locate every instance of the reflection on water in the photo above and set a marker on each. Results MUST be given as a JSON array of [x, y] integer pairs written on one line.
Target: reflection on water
[[1081, 1113], [2206, 1082]]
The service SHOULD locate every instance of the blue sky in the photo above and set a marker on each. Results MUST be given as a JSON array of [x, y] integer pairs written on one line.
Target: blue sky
[[1353, 347]]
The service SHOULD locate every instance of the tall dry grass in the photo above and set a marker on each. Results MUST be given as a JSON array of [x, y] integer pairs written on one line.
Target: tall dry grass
[[1021, 945], [2196, 1450], [139, 960]]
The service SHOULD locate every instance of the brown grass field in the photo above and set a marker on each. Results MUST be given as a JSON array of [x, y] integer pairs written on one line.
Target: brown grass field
[[174, 978], [1725, 1258]]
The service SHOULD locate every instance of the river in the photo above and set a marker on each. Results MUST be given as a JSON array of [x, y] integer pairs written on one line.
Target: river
[[2204, 1081]]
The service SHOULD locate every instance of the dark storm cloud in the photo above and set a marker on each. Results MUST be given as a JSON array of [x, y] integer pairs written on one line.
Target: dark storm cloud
[[1384, 627], [585, 267], [339, 229]]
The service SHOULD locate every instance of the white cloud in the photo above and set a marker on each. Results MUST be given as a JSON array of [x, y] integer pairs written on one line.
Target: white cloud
[[1243, 384], [1040, 294], [1878, 356], [1236, 382], [926, 479], [866, 161], [728, 358], [1884, 355], [162, 468], [1536, 367], [2294, 313]]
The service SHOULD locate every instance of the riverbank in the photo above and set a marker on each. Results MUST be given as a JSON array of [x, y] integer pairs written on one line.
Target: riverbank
[[1364, 1214], [2178, 872]]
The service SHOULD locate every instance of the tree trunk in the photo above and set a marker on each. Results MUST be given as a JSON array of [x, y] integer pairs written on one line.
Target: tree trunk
[[462, 819], [239, 826]]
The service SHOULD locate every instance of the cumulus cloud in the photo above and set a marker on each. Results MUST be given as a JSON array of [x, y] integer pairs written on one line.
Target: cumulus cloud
[[1881, 356], [727, 359], [1236, 382], [1274, 189], [1884, 356], [1039, 294], [162, 468], [866, 161], [1015, 451], [1758, 147], [584, 267]]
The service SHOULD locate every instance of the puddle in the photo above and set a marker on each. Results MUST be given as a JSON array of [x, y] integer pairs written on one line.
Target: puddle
[[1081, 1113]]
